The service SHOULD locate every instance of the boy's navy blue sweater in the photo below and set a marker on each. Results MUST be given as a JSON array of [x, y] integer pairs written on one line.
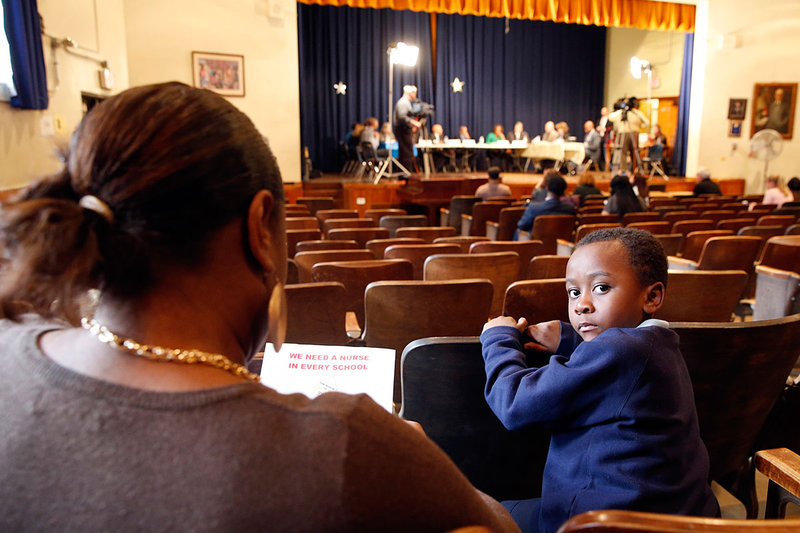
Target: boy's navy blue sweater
[[622, 414]]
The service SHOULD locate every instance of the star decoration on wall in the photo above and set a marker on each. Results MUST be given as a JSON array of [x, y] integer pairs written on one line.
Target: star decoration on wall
[[341, 88], [458, 85]]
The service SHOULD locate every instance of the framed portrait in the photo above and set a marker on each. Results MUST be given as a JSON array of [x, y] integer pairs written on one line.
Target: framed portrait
[[735, 129], [737, 108], [221, 73], [773, 108]]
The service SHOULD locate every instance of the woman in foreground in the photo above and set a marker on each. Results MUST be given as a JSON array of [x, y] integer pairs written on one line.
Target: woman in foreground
[[171, 204]]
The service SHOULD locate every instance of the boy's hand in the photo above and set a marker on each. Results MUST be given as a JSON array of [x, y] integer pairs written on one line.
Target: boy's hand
[[546, 336], [520, 324]]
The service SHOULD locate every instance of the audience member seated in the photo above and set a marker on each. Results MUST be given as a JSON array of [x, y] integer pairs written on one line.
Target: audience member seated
[[616, 394], [550, 134], [554, 204], [794, 188], [519, 133], [623, 199], [171, 204], [494, 187], [586, 186], [777, 193], [704, 184], [370, 133]]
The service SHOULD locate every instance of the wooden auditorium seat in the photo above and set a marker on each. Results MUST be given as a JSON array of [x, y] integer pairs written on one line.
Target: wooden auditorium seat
[[550, 228], [537, 300], [306, 260], [693, 242], [398, 312], [418, 253], [464, 241], [702, 295], [526, 250], [337, 223], [718, 214], [293, 236], [504, 228], [722, 253], [777, 293], [298, 210], [392, 222], [459, 205], [566, 247], [321, 245], [442, 382], [426, 233], [794, 229], [782, 252], [377, 214], [738, 371], [547, 266], [475, 224], [360, 235], [316, 203], [784, 221], [629, 218], [597, 219], [316, 313], [379, 246], [676, 216], [325, 214], [501, 268], [695, 224], [302, 223], [356, 275], [292, 274], [671, 242], [735, 224], [661, 227]]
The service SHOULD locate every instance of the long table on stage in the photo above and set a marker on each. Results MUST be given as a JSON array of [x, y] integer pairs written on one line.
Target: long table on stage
[[426, 146], [560, 152]]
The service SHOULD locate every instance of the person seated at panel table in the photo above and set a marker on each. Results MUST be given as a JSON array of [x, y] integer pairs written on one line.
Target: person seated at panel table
[[386, 135], [554, 203], [518, 133], [498, 158], [563, 131], [171, 204], [616, 394], [494, 187], [464, 154], [550, 134], [440, 157], [370, 133]]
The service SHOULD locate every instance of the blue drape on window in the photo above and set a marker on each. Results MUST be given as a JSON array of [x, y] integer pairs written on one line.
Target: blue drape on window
[[27, 59], [344, 44], [536, 72], [682, 135]]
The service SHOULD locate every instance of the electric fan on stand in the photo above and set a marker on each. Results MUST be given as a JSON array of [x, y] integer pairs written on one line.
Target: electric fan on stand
[[766, 145]]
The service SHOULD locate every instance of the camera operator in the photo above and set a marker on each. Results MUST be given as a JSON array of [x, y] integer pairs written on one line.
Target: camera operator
[[405, 124], [627, 121]]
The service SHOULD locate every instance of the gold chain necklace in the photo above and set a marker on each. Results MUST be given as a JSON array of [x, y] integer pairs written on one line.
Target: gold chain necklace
[[172, 355]]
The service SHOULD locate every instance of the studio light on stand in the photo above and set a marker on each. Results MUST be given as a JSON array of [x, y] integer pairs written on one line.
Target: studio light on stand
[[639, 67], [399, 54]]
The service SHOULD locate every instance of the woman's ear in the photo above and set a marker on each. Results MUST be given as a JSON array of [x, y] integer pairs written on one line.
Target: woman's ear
[[259, 236], [654, 298]]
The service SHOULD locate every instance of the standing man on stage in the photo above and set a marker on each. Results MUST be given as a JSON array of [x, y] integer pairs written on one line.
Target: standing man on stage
[[593, 144], [627, 123], [405, 123]]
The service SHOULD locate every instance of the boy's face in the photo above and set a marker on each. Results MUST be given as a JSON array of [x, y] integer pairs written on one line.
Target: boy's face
[[604, 291]]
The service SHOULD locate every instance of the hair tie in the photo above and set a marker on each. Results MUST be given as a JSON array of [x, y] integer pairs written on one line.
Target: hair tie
[[93, 203]]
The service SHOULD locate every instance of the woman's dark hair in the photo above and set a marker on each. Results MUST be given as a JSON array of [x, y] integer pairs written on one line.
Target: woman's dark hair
[[173, 163], [645, 253], [627, 201]]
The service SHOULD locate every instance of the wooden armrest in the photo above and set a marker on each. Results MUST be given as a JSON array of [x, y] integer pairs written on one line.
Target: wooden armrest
[[679, 263], [444, 216], [351, 325], [564, 247], [523, 235], [492, 230], [466, 224], [782, 466], [774, 272]]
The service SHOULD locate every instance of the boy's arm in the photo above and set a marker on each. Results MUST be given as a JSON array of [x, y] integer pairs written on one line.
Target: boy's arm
[[555, 393]]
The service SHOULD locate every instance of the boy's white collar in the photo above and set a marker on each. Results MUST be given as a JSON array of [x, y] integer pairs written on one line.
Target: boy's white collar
[[654, 322]]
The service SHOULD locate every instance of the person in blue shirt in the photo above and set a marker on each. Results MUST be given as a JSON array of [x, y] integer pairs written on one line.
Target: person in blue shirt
[[554, 203], [616, 395]]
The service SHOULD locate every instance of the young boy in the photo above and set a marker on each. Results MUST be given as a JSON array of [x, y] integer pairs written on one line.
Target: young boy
[[616, 395]]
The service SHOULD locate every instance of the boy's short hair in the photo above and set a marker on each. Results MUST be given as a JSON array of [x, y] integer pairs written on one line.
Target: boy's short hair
[[556, 184], [645, 253], [494, 173]]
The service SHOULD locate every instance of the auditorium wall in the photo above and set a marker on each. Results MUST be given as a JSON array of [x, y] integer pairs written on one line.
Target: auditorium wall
[[763, 39], [29, 139], [162, 35]]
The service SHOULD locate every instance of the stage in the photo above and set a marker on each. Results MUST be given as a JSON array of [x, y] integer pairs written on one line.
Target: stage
[[352, 193]]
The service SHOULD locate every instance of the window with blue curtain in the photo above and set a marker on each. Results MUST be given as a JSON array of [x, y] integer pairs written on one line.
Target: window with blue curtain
[[23, 30]]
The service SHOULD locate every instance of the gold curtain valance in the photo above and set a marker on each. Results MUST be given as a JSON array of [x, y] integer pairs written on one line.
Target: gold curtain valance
[[642, 14]]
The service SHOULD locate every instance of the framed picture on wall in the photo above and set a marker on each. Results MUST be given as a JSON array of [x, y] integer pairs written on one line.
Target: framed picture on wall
[[773, 108], [737, 108], [735, 129], [221, 73]]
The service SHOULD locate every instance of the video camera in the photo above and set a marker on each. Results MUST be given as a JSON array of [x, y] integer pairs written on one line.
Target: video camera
[[422, 109], [626, 104]]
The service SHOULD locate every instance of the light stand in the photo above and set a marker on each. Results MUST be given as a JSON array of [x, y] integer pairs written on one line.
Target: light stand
[[638, 66], [399, 54]]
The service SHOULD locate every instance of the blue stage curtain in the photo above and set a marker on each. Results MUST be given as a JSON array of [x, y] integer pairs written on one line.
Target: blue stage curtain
[[345, 44], [682, 135], [536, 72], [27, 60]]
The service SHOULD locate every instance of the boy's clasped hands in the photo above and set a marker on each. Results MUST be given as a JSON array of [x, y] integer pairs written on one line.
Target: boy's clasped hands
[[544, 336]]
